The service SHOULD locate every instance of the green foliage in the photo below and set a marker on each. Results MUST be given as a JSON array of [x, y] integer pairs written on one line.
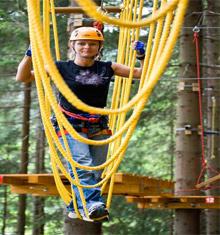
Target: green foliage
[[13, 31], [127, 219]]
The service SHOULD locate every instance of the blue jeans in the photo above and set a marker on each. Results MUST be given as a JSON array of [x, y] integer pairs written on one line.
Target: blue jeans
[[87, 155]]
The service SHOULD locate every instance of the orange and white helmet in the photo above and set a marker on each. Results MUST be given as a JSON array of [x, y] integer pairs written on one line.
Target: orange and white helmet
[[86, 33]]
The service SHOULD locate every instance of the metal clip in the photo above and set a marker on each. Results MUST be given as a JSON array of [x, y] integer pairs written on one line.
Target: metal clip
[[195, 86], [196, 29], [188, 129]]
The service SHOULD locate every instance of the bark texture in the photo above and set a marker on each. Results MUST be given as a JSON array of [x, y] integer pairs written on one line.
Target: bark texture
[[38, 213], [212, 49], [188, 146], [24, 156]]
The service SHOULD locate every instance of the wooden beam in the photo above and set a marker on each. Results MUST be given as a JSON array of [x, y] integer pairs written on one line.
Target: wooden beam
[[69, 10], [51, 190], [176, 202], [119, 178], [125, 184], [148, 181], [13, 179], [146, 192], [209, 181], [35, 190], [178, 206]]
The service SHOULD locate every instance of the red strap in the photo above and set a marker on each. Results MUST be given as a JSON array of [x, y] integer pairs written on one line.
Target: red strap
[[79, 117], [1, 179], [98, 25], [59, 133], [196, 41], [204, 164], [84, 130]]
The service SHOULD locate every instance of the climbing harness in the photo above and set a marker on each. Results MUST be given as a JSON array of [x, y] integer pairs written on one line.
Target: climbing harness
[[84, 117], [84, 122]]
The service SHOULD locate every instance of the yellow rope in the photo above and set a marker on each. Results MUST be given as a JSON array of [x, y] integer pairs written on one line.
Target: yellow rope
[[164, 26], [57, 48], [64, 89], [93, 11]]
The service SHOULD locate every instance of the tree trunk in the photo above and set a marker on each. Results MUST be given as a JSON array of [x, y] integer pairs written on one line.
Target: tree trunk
[[5, 206], [211, 43], [24, 156], [188, 147], [172, 156], [39, 217], [76, 226], [80, 227]]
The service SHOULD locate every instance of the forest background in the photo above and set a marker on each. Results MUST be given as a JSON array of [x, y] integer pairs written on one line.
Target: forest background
[[23, 148]]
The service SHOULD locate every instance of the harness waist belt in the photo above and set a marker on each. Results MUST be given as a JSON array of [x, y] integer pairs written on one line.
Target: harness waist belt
[[80, 117], [86, 131]]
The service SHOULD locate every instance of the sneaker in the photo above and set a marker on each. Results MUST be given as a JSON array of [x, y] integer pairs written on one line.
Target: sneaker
[[102, 219], [99, 213], [73, 215]]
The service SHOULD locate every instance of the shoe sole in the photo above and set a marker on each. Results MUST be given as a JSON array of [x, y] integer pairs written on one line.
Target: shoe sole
[[99, 214], [101, 219], [74, 216]]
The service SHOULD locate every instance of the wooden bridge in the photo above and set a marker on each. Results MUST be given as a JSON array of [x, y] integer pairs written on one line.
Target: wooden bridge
[[145, 191]]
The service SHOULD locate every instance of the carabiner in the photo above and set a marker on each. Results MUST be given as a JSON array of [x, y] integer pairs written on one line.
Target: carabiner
[[196, 29]]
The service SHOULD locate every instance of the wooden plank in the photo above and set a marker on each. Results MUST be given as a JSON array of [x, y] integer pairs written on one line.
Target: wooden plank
[[159, 183], [183, 200], [147, 199], [42, 179], [198, 199], [119, 178], [50, 190], [145, 180], [129, 178], [13, 178], [131, 189], [69, 10], [173, 198], [122, 189], [178, 206], [125, 184], [175, 202], [36, 190], [209, 181]]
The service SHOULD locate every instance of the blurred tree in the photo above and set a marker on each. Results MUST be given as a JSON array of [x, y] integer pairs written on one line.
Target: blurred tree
[[188, 148], [211, 94]]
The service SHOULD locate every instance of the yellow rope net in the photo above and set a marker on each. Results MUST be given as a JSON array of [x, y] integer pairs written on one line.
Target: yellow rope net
[[161, 29]]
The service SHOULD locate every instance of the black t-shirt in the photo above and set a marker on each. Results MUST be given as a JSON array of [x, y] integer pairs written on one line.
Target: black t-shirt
[[90, 84]]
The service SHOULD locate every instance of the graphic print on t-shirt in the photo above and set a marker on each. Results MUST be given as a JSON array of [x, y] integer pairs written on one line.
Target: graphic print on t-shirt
[[87, 77]]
